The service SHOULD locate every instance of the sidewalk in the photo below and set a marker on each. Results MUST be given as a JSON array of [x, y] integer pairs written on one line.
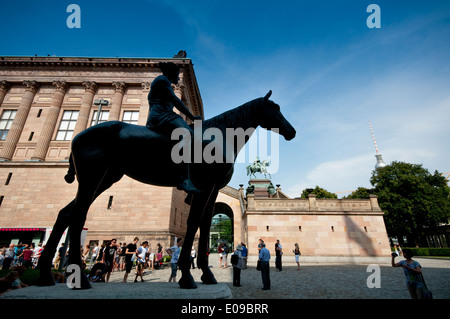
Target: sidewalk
[[322, 280]]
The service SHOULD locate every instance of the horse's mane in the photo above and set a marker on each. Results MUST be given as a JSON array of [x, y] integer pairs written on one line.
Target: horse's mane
[[233, 117]]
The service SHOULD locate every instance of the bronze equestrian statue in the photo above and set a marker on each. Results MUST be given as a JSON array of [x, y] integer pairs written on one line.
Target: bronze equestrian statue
[[103, 153]]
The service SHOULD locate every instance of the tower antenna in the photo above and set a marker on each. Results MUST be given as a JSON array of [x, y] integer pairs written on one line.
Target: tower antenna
[[380, 162], [373, 137]]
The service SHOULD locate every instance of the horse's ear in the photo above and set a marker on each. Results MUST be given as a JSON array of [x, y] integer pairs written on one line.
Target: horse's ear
[[268, 95]]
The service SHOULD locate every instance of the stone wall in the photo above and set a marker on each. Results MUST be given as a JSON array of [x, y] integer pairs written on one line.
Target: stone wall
[[321, 227]]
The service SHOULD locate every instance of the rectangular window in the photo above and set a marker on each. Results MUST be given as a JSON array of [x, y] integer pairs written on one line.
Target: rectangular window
[[5, 123], [67, 126], [104, 115], [8, 179], [131, 117], [110, 201]]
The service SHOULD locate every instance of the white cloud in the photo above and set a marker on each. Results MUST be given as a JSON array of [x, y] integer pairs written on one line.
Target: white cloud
[[336, 176]]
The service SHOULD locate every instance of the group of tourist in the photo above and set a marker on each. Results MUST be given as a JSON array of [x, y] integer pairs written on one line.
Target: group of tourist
[[20, 255], [122, 257]]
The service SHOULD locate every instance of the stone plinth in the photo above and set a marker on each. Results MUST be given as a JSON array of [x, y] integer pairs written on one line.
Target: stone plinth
[[146, 290], [260, 187]]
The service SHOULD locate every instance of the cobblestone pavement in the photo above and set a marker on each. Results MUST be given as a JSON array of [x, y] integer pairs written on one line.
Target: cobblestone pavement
[[316, 280]]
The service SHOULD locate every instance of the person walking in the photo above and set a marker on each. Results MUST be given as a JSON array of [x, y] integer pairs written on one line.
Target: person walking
[[141, 256], [413, 274], [278, 254], [220, 251], [94, 255], [27, 254], [9, 257], [123, 250], [193, 255], [237, 262], [225, 256], [151, 258], [264, 257], [37, 254], [108, 257], [129, 252], [174, 252], [297, 254], [244, 254], [60, 256]]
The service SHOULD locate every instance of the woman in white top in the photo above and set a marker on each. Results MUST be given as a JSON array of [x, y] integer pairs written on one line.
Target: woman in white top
[[297, 255]]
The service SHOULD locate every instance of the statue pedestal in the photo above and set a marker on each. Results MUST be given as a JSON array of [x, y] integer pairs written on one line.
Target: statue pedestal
[[130, 290], [261, 187]]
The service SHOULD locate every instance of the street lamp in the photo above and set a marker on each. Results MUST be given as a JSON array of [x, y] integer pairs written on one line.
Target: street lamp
[[100, 103]]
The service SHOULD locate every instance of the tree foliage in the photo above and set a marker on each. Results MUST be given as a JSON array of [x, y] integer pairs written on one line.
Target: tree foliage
[[411, 197], [319, 192], [360, 193]]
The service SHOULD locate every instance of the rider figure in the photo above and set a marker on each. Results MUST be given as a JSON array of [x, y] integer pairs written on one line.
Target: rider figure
[[162, 118]]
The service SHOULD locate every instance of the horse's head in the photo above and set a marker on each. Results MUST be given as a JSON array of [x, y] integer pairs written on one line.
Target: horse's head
[[271, 118]]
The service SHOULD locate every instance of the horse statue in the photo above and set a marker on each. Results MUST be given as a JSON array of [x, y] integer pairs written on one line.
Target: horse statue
[[102, 154], [258, 167]]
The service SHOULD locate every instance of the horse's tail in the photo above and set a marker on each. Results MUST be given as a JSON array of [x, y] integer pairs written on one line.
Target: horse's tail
[[70, 176]]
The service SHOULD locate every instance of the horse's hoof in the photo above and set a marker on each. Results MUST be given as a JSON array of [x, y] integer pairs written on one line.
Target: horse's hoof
[[187, 283], [45, 279], [208, 279]]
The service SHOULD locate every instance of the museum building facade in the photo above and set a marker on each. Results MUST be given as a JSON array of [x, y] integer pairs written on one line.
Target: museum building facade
[[46, 101]]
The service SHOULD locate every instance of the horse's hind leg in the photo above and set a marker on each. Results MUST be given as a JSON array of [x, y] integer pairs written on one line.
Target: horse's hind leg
[[85, 197], [45, 261]]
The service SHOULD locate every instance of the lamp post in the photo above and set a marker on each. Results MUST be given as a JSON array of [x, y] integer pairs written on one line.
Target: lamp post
[[100, 103]]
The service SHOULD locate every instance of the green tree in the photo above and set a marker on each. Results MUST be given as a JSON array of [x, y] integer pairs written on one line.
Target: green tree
[[360, 193], [319, 192], [412, 198]]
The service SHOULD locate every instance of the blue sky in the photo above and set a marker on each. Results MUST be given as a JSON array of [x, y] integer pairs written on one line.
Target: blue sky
[[328, 71]]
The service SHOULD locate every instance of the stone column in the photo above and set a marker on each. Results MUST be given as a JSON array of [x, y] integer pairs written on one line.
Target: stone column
[[85, 110], [114, 113], [178, 90], [144, 108], [45, 137], [14, 133], [4, 86]]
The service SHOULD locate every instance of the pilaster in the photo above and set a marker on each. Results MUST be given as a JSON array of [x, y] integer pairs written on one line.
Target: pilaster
[[144, 108], [4, 86], [120, 88], [85, 110], [14, 133], [50, 121]]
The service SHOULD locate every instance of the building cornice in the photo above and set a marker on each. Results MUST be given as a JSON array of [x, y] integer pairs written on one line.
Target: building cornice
[[84, 62], [91, 64]]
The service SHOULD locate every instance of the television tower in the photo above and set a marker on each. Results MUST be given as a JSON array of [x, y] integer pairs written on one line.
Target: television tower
[[378, 156]]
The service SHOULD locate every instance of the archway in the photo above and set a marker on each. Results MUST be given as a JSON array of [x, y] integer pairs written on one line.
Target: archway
[[222, 227]]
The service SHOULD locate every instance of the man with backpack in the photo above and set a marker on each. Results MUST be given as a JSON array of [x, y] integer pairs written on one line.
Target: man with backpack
[[236, 261]]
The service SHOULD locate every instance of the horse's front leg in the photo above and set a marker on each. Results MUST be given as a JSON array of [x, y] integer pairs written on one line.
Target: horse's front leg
[[205, 228], [198, 205], [75, 263]]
